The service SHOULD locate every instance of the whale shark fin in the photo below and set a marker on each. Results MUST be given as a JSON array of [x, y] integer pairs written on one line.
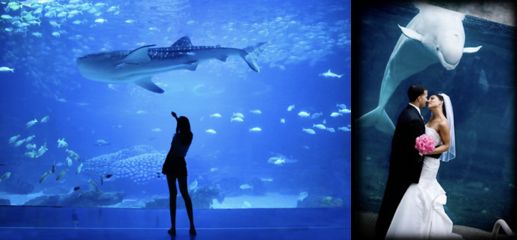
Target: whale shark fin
[[222, 58], [410, 33], [192, 66], [249, 55], [379, 119], [146, 83], [183, 42], [138, 55], [471, 49]]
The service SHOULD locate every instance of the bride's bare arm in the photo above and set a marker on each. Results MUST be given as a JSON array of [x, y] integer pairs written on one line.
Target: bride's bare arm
[[443, 129]]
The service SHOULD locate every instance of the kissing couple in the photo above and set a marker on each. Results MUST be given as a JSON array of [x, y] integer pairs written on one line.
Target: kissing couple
[[413, 202]]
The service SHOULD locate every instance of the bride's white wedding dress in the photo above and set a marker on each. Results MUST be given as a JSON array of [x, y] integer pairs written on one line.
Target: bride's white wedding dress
[[420, 213]]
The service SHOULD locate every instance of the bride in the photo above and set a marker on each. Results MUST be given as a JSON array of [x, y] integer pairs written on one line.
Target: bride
[[420, 213]]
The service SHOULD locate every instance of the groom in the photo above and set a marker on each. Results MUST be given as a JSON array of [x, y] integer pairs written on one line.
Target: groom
[[405, 162]]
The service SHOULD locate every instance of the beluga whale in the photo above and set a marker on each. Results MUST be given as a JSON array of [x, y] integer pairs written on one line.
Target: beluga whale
[[141, 64], [434, 35]]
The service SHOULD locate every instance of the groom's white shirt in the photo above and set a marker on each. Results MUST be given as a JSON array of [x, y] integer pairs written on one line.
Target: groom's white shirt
[[418, 109]]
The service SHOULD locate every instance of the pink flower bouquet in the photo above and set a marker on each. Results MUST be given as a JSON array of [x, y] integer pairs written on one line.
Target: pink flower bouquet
[[424, 144]]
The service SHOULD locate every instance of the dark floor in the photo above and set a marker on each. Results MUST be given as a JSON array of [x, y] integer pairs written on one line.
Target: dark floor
[[115, 223]]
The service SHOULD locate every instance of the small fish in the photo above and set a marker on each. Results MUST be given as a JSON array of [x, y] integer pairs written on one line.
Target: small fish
[[193, 185], [214, 169], [236, 119], [266, 179], [319, 126], [141, 112], [238, 114], [14, 138], [6, 69], [255, 129], [245, 186], [19, 142], [6, 17], [101, 142], [344, 129], [5, 176], [76, 188], [216, 115], [61, 143], [256, 111], [316, 115], [31, 123], [56, 34], [329, 74], [335, 114], [44, 176], [31, 154], [79, 168], [29, 138], [156, 130], [309, 131], [69, 161], [211, 131], [37, 34], [290, 107], [129, 21], [44, 119], [61, 174], [304, 114], [345, 111], [331, 130], [30, 146], [72, 154], [282, 120], [42, 150], [100, 20], [302, 196]]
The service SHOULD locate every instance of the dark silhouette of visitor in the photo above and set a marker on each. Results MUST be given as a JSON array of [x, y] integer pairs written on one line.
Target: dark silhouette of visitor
[[175, 167]]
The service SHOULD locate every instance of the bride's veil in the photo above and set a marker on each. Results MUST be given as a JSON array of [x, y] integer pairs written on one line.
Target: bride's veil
[[451, 153]]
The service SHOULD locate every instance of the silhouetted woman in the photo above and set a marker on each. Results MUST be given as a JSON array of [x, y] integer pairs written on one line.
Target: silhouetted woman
[[175, 167]]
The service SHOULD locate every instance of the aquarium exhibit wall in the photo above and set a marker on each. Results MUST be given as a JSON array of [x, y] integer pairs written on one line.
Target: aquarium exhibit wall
[[268, 102], [479, 182]]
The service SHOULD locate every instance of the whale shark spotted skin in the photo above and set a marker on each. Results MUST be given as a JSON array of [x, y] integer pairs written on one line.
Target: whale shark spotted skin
[[139, 65], [434, 35]]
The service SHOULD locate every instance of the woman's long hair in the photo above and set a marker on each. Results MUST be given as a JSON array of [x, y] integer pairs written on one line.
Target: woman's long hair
[[443, 104], [183, 130]]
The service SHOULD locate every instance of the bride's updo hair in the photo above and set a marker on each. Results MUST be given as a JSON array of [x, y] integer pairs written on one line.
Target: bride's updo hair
[[443, 104]]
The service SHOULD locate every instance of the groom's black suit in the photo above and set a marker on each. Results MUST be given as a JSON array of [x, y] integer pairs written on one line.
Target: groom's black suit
[[405, 166]]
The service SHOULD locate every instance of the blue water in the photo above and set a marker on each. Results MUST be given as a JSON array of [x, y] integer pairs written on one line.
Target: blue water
[[479, 182], [125, 130]]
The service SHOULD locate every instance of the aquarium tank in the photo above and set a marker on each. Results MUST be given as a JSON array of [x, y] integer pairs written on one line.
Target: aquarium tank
[[88, 88], [479, 182]]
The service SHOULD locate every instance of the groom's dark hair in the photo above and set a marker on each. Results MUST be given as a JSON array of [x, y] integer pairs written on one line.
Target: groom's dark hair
[[414, 91]]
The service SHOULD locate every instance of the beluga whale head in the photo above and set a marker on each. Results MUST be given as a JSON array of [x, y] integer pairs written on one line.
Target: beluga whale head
[[441, 32]]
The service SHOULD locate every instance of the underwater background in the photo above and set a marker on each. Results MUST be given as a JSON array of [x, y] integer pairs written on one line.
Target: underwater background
[[480, 181], [279, 138]]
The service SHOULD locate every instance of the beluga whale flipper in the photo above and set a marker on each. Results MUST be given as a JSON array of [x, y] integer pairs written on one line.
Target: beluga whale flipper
[[139, 65], [434, 35]]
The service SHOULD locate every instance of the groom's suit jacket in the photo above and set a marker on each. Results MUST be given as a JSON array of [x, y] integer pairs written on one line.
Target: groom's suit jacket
[[405, 162], [405, 165]]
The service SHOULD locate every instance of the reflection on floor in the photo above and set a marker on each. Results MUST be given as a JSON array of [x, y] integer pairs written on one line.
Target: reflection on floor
[[115, 223]]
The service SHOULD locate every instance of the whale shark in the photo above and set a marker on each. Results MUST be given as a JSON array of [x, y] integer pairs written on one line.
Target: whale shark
[[141, 64], [434, 35]]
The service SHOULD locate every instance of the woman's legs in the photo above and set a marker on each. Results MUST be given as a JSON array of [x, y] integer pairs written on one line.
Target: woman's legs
[[182, 182], [173, 192]]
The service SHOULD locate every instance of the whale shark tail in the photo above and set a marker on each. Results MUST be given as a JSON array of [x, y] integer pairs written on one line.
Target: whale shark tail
[[379, 119], [250, 55]]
